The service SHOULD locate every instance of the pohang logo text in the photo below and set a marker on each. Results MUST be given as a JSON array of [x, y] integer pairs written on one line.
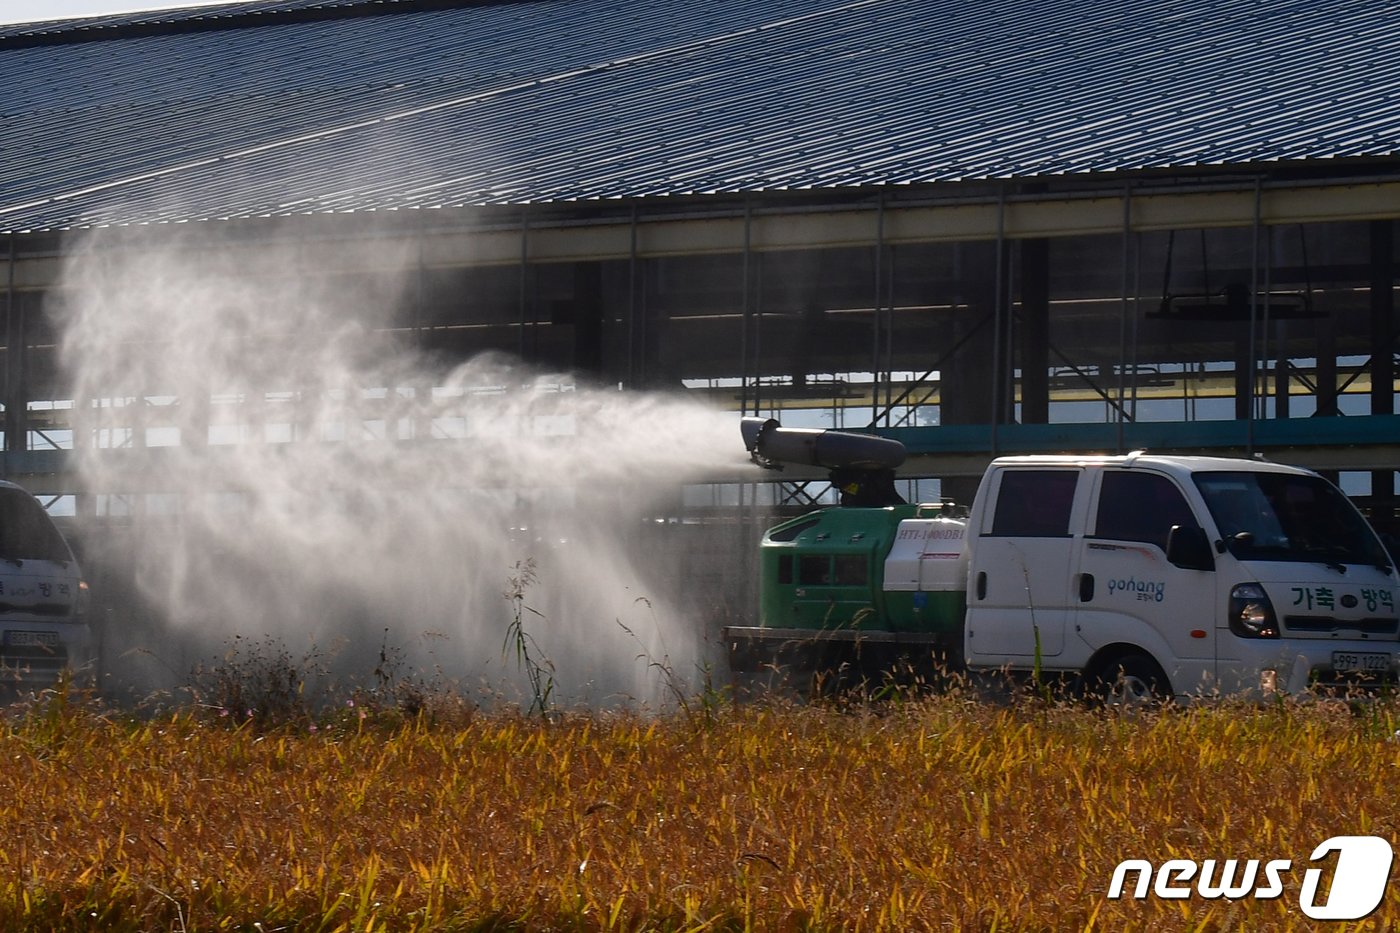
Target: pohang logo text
[[1358, 884], [1148, 591]]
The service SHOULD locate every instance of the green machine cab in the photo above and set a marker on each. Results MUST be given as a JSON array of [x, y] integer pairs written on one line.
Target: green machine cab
[[872, 583]]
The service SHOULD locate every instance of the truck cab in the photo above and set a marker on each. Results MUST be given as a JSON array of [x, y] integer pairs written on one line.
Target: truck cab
[[1177, 575]]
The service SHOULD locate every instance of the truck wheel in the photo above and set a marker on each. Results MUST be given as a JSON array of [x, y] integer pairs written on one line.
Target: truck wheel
[[1131, 679]]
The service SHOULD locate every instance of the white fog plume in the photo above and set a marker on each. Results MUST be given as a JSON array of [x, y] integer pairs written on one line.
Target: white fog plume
[[300, 473]]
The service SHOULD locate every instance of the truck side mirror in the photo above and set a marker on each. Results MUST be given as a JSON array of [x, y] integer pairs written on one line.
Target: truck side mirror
[[1189, 548]]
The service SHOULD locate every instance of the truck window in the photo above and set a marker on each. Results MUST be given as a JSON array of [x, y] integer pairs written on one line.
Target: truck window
[[1286, 516], [829, 570], [814, 570], [1137, 506], [1035, 503], [851, 570], [791, 532]]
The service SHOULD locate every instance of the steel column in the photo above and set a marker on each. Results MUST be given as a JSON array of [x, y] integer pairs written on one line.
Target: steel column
[[1383, 345], [16, 395]]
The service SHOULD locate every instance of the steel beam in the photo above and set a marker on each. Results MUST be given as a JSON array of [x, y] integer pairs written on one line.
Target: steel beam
[[777, 225]]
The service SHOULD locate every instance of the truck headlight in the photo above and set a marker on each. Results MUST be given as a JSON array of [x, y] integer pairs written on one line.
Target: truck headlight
[[1251, 613]]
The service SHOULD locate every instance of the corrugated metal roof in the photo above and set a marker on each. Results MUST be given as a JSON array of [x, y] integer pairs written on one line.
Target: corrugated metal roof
[[277, 107]]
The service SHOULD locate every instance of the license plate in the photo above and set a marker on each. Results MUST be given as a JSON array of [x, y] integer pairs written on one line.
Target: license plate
[[1360, 661], [31, 639]]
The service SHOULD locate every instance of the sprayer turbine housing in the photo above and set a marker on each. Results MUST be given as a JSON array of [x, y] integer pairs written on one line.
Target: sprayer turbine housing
[[861, 465]]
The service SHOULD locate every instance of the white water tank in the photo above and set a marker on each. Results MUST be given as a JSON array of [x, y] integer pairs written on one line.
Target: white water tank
[[927, 556]]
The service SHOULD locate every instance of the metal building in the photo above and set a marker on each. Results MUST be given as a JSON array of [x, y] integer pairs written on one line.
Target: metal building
[[1035, 225]]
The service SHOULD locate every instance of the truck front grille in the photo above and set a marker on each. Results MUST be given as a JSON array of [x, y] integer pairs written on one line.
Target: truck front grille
[[1380, 625], [19, 666]]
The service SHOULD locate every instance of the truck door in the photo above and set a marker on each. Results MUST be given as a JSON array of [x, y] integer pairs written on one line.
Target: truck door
[[1019, 578], [1128, 592]]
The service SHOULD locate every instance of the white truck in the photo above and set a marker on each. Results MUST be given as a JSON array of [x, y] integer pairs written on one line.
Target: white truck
[[1151, 574], [44, 628], [1179, 575]]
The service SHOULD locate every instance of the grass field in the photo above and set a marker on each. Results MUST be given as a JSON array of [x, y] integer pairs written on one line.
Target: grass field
[[938, 814]]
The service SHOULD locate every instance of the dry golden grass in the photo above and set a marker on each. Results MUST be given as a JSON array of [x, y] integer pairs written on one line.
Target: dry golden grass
[[940, 814]]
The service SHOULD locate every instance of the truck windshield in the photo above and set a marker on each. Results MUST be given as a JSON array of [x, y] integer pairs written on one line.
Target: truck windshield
[[1288, 516], [26, 533]]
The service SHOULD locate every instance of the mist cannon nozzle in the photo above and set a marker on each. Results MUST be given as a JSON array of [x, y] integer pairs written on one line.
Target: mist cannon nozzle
[[771, 445], [861, 465], [753, 431]]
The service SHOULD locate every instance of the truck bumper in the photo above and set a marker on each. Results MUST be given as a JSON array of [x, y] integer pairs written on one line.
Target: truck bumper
[[1293, 666], [34, 655]]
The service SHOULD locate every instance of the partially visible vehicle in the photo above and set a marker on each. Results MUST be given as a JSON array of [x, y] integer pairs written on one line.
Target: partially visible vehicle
[[44, 630], [1150, 574]]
